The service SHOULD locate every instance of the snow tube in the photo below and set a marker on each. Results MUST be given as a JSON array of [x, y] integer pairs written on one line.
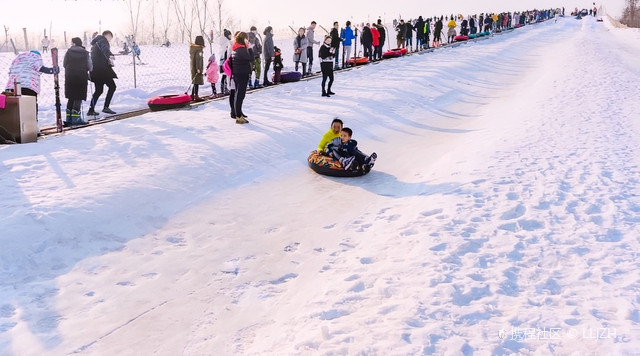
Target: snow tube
[[164, 102], [472, 36], [392, 53], [460, 38], [288, 77], [518, 25], [396, 52], [329, 166], [358, 60]]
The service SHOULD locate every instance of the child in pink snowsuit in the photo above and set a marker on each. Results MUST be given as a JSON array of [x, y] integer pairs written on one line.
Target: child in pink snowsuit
[[212, 73]]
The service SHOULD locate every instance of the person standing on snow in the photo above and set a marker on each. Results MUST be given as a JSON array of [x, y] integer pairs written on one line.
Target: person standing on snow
[[269, 53], [102, 73], [256, 65], [26, 69], [196, 61], [375, 36], [402, 32], [225, 52], [367, 42], [300, 44], [310, 42], [347, 36], [335, 43], [452, 30], [241, 58], [45, 44], [383, 37], [437, 32], [326, 54], [77, 65], [212, 73]]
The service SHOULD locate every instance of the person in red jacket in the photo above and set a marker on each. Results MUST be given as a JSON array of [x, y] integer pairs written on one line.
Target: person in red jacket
[[377, 49]]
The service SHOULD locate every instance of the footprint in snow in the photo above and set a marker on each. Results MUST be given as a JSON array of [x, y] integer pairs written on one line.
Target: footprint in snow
[[287, 277], [292, 247], [126, 283]]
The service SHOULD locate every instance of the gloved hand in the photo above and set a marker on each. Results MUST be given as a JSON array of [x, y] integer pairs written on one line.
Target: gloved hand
[[56, 70]]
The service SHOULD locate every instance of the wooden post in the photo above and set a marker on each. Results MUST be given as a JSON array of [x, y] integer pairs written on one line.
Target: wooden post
[[26, 41], [66, 44]]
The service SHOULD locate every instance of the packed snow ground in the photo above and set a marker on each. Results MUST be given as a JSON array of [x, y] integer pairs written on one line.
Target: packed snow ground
[[501, 217]]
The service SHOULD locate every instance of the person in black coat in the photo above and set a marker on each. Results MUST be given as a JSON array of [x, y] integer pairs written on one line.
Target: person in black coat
[[383, 34], [326, 54], [367, 42], [419, 33], [335, 42], [241, 58], [402, 32], [102, 73], [77, 65], [437, 32]]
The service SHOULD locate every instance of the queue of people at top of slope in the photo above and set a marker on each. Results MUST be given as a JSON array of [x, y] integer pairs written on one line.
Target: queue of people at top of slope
[[97, 66]]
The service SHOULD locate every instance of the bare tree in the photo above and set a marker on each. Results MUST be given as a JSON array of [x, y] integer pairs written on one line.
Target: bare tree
[[134, 14], [630, 14], [185, 16], [224, 19], [165, 18]]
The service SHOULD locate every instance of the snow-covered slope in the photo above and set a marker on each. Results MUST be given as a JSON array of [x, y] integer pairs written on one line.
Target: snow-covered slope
[[501, 216]]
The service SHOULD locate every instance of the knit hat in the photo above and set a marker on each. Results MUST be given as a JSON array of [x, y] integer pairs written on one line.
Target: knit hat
[[36, 52]]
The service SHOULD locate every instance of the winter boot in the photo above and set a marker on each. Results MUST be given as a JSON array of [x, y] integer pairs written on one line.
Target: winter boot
[[324, 92], [370, 160], [68, 121], [76, 118], [106, 110]]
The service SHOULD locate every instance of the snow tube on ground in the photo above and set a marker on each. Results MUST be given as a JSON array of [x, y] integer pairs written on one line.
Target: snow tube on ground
[[328, 166], [518, 25], [358, 60], [392, 53], [288, 77], [460, 38], [164, 102]]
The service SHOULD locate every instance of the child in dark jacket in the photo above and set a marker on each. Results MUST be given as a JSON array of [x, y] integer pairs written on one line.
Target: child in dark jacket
[[277, 65], [345, 150]]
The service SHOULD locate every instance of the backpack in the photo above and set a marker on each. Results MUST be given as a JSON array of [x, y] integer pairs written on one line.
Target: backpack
[[226, 67]]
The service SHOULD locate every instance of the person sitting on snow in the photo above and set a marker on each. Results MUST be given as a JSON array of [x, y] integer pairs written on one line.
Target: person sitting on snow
[[334, 132], [345, 150]]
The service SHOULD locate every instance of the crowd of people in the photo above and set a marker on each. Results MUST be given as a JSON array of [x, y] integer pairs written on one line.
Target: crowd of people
[[80, 66], [242, 52], [246, 55]]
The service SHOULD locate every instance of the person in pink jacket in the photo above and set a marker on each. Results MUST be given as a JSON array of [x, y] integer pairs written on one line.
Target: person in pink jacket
[[26, 69], [212, 72]]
